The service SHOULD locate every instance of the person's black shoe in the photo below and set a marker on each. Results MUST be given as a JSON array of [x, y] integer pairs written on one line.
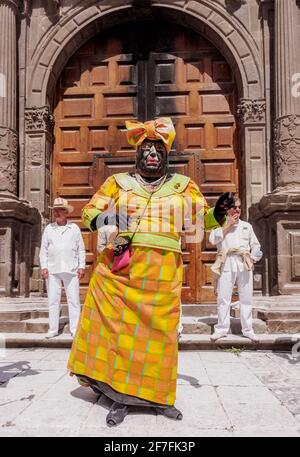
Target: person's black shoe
[[117, 414], [171, 412]]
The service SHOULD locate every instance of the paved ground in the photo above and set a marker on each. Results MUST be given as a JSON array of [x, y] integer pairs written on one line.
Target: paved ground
[[220, 394]]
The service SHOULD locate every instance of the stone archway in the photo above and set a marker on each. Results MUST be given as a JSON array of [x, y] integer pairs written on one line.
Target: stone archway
[[205, 17], [135, 71], [78, 25]]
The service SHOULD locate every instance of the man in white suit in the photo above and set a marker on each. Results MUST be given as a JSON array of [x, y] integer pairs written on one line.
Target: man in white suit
[[238, 248], [62, 259]]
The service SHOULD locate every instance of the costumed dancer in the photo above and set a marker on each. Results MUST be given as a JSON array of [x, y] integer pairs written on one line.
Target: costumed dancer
[[126, 345]]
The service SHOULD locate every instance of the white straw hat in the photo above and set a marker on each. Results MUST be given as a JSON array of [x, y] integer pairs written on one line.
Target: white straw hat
[[62, 203]]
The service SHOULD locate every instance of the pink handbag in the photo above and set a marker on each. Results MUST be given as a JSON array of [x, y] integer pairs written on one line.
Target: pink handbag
[[121, 261], [123, 250]]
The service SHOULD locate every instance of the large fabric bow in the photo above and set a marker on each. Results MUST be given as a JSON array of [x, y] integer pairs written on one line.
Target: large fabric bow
[[159, 129]]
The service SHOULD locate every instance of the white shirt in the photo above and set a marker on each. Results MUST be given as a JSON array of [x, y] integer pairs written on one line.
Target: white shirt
[[241, 236], [62, 248]]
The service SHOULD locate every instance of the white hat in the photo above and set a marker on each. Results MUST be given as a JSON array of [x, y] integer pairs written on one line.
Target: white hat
[[62, 203]]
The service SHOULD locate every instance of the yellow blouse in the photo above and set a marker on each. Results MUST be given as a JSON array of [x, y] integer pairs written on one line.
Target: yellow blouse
[[177, 207]]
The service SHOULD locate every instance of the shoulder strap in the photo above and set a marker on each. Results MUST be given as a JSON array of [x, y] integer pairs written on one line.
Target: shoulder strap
[[139, 219]]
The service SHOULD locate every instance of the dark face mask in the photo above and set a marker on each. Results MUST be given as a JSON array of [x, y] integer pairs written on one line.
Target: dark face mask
[[152, 161]]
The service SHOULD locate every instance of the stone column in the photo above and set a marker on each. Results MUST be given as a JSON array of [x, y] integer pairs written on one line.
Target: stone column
[[278, 212], [38, 125], [287, 112], [252, 128], [18, 220], [8, 93]]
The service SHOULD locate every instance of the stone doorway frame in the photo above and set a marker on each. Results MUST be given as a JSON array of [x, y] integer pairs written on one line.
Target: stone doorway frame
[[79, 25]]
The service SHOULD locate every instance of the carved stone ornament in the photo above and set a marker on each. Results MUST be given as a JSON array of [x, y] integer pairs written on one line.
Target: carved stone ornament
[[234, 5], [287, 150], [27, 7], [8, 160], [52, 7], [15, 4], [39, 119], [251, 110]]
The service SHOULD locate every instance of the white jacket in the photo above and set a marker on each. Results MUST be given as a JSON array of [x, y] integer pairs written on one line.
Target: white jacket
[[241, 236], [62, 249]]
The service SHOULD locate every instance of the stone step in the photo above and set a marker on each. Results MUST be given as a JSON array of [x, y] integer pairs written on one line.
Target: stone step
[[277, 301], [15, 316], [276, 321], [39, 325], [278, 314], [21, 315], [17, 303], [235, 312], [205, 325], [272, 342], [197, 319], [196, 310], [283, 325], [269, 342]]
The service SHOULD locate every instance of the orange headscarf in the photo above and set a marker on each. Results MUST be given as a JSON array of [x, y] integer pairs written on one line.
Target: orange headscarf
[[159, 129]]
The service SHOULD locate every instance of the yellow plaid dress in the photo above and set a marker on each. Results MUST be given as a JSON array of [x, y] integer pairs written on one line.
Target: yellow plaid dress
[[127, 335]]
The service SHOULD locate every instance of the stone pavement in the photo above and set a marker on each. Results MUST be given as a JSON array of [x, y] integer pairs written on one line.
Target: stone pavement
[[220, 393]]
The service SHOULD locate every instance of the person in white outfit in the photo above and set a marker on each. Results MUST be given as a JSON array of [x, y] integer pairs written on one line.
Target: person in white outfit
[[238, 249], [62, 260]]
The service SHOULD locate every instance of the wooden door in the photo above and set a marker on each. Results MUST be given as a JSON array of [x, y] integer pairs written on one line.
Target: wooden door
[[135, 72]]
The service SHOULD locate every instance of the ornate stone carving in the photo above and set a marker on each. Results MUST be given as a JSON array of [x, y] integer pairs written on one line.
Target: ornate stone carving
[[39, 119], [234, 5], [53, 7], [251, 110], [36, 150], [48, 154], [3, 244], [8, 160], [287, 149], [27, 7], [15, 4]]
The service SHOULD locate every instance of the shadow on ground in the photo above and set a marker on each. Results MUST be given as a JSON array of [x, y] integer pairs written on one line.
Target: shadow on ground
[[7, 372]]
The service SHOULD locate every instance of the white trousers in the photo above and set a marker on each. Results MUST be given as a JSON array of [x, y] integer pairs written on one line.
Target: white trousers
[[71, 285], [226, 282]]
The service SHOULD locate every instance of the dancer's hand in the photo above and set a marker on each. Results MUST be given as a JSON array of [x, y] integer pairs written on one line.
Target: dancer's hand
[[106, 235]]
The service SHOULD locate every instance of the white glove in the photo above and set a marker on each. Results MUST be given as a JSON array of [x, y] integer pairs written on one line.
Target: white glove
[[106, 235]]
